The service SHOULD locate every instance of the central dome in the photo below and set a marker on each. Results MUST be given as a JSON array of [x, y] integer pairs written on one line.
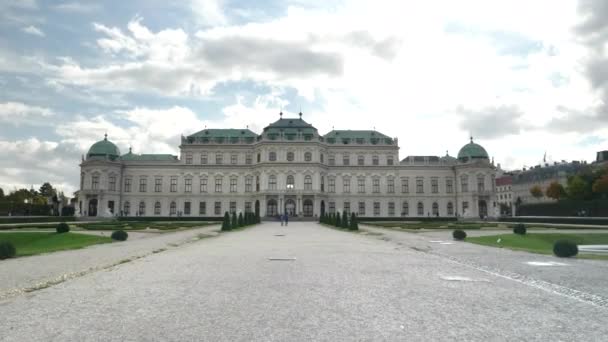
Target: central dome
[[104, 148], [472, 151]]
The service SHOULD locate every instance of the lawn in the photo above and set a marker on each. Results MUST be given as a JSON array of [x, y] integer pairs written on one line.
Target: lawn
[[432, 225], [37, 243], [538, 242], [126, 225]]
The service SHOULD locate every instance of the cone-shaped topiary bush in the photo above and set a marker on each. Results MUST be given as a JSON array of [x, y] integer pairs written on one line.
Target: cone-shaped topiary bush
[[338, 221], [63, 228], [119, 235], [240, 221], [7, 250], [226, 222], [565, 249], [354, 225], [233, 223], [520, 229], [459, 234], [344, 220]]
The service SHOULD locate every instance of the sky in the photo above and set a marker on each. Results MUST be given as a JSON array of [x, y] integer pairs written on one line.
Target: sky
[[524, 78]]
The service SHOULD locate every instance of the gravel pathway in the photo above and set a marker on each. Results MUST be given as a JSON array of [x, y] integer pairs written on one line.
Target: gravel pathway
[[322, 285]]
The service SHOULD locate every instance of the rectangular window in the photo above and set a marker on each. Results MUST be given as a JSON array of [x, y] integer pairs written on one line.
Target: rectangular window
[[249, 184], [202, 208], [419, 185], [173, 184], [331, 160], [233, 159], [464, 183], [390, 186], [157, 208], [219, 158], [375, 160], [248, 159], [346, 159], [188, 185], [376, 185], [187, 208], [203, 187], [376, 208], [158, 184], [449, 186], [232, 208], [247, 207], [360, 160], [405, 185], [389, 160], [361, 184], [188, 158], [391, 208], [481, 183], [127, 184], [143, 185], [465, 207], [218, 185], [347, 208], [204, 158], [361, 209], [95, 182], [435, 185], [331, 186], [217, 208], [233, 184], [332, 207], [346, 185], [112, 183]]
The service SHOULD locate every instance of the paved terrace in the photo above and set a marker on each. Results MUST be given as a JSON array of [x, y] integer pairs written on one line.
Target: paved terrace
[[341, 287]]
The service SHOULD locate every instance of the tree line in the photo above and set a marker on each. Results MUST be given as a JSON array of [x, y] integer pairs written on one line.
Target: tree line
[[586, 185]]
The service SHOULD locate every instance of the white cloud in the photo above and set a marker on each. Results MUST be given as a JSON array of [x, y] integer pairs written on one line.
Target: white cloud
[[77, 7], [33, 30], [208, 12], [17, 113]]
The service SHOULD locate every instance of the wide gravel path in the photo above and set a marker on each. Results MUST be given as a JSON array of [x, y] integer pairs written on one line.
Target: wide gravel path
[[330, 286]]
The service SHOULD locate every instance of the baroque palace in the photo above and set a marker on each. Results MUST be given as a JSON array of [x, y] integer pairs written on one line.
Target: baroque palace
[[288, 168]]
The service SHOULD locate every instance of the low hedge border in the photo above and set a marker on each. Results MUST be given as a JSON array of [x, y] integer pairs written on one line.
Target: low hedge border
[[555, 219], [27, 219], [170, 218]]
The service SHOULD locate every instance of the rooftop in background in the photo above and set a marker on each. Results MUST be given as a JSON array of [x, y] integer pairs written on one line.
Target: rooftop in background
[[358, 137], [541, 173], [504, 180], [148, 157]]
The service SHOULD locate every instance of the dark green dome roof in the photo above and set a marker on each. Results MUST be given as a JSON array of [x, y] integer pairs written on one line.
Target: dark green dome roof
[[104, 148], [472, 151]]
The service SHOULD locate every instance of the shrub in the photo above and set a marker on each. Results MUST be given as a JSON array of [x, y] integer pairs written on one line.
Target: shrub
[[63, 228], [234, 224], [353, 222], [241, 223], [459, 234], [337, 221], [565, 249], [226, 223], [344, 220], [119, 235], [520, 229], [7, 250]]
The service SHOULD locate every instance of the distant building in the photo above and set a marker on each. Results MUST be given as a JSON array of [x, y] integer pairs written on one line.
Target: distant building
[[602, 158], [542, 176], [504, 193]]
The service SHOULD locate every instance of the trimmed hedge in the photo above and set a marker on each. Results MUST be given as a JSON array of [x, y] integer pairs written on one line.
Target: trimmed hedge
[[7, 250], [459, 234], [552, 219], [119, 235], [565, 249], [170, 218], [408, 218], [28, 219], [567, 207], [62, 228]]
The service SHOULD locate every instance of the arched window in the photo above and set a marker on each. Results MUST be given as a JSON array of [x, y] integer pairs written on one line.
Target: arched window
[[126, 208], [435, 209], [420, 209], [157, 208], [307, 156], [290, 182], [289, 156], [172, 209], [272, 156], [272, 182], [405, 209], [450, 209], [142, 208], [308, 182]]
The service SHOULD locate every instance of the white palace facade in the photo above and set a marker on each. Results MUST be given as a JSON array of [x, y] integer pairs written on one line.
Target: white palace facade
[[288, 168]]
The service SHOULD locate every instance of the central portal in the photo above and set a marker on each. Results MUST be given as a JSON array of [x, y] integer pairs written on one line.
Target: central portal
[[290, 207]]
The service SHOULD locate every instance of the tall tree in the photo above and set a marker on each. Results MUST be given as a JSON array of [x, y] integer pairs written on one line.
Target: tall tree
[[1, 193], [555, 191], [47, 190], [578, 188], [600, 186], [536, 191]]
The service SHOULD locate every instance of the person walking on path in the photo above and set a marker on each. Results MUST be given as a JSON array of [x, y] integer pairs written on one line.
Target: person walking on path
[[286, 218], [281, 218]]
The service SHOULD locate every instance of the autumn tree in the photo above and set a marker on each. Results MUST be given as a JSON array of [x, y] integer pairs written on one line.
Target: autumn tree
[[536, 192], [555, 191], [600, 186], [578, 188]]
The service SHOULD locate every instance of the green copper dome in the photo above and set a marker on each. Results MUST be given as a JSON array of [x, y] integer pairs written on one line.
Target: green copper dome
[[104, 148], [472, 151]]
